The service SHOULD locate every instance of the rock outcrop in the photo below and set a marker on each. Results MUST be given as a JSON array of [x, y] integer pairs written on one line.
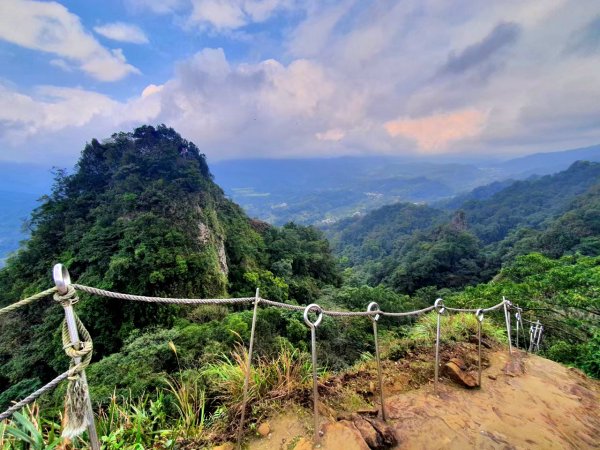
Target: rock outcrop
[[456, 370]]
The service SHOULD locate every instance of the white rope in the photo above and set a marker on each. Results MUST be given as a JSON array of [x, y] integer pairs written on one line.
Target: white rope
[[216, 301]]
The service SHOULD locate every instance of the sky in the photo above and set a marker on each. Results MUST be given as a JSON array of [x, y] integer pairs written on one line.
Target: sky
[[301, 78]]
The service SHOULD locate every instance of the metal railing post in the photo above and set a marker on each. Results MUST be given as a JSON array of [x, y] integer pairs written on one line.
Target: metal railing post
[[313, 340], [479, 316], [440, 309], [375, 307], [248, 369], [62, 280], [507, 318]]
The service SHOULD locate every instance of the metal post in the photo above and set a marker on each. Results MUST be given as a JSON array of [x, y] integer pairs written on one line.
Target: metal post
[[439, 307], [507, 318], [539, 337], [532, 332], [523, 329], [62, 280], [517, 317], [248, 369], [479, 316], [375, 307], [313, 339]]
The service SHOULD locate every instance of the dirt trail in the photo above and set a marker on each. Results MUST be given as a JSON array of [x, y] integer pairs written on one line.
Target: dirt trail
[[547, 407]]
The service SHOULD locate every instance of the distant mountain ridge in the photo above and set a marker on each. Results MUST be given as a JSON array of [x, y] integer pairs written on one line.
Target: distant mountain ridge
[[323, 191], [550, 162], [555, 214]]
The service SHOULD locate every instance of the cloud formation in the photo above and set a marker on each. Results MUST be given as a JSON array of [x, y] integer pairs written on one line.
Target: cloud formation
[[503, 34], [232, 14], [350, 78], [433, 133], [122, 32], [50, 27]]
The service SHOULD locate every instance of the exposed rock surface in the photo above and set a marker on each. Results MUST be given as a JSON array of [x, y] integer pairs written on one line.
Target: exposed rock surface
[[386, 433], [546, 407], [342, 435], [456, 370]]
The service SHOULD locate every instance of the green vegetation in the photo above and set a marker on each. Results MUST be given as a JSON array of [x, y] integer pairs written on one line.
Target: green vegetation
[[563, 294], [141, 214]]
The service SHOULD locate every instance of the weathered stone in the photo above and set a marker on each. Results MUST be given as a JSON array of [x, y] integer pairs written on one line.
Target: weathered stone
[[342, 435], [386, 432], [369, 434], [460, 376], [492, 377], [459, 362], [264, 429], [303, 444]]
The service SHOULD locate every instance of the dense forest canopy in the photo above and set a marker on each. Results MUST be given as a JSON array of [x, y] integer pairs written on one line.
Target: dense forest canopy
[[142, 214], [411, 246]]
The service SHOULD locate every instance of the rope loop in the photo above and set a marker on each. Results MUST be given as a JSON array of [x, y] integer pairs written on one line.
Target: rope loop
[[374, 307], [82, 349], [313, 307], [439, 306], [68, 298]]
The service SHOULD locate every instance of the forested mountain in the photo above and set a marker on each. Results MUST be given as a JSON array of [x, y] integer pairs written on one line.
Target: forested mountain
[[141, 214], [554, 214], [529, 203]]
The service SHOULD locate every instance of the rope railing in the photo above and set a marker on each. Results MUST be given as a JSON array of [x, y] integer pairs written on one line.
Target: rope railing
[[26, 301], [78, 408]]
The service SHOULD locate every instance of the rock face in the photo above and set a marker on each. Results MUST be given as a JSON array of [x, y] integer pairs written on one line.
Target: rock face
[[455, 369], [369, 434], [342, 435], [375, 433], [385, 432]]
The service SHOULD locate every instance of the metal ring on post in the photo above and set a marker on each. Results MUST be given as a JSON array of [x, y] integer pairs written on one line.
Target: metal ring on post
[[314, 308], [439, 306], [374, 306], [62, 279], [313, 344], [479, 315]]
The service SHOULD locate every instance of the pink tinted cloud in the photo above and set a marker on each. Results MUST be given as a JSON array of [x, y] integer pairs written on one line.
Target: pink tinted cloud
[[435, 132]]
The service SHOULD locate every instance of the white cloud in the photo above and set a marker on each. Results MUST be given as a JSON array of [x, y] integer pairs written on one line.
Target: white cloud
[[435, 132], [123, 32], [233, 14], [51, 28], [335, 134], [359, 77]]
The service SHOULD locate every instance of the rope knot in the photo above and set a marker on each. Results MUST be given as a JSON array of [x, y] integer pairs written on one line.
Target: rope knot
[[80, 353], [68, 298]]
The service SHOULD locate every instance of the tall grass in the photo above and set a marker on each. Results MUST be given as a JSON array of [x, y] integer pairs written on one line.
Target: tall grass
[[453, 328], [27, 430], [270, 378]]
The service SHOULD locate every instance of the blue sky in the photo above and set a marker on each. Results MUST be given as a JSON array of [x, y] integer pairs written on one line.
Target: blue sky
[[289, 78]]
